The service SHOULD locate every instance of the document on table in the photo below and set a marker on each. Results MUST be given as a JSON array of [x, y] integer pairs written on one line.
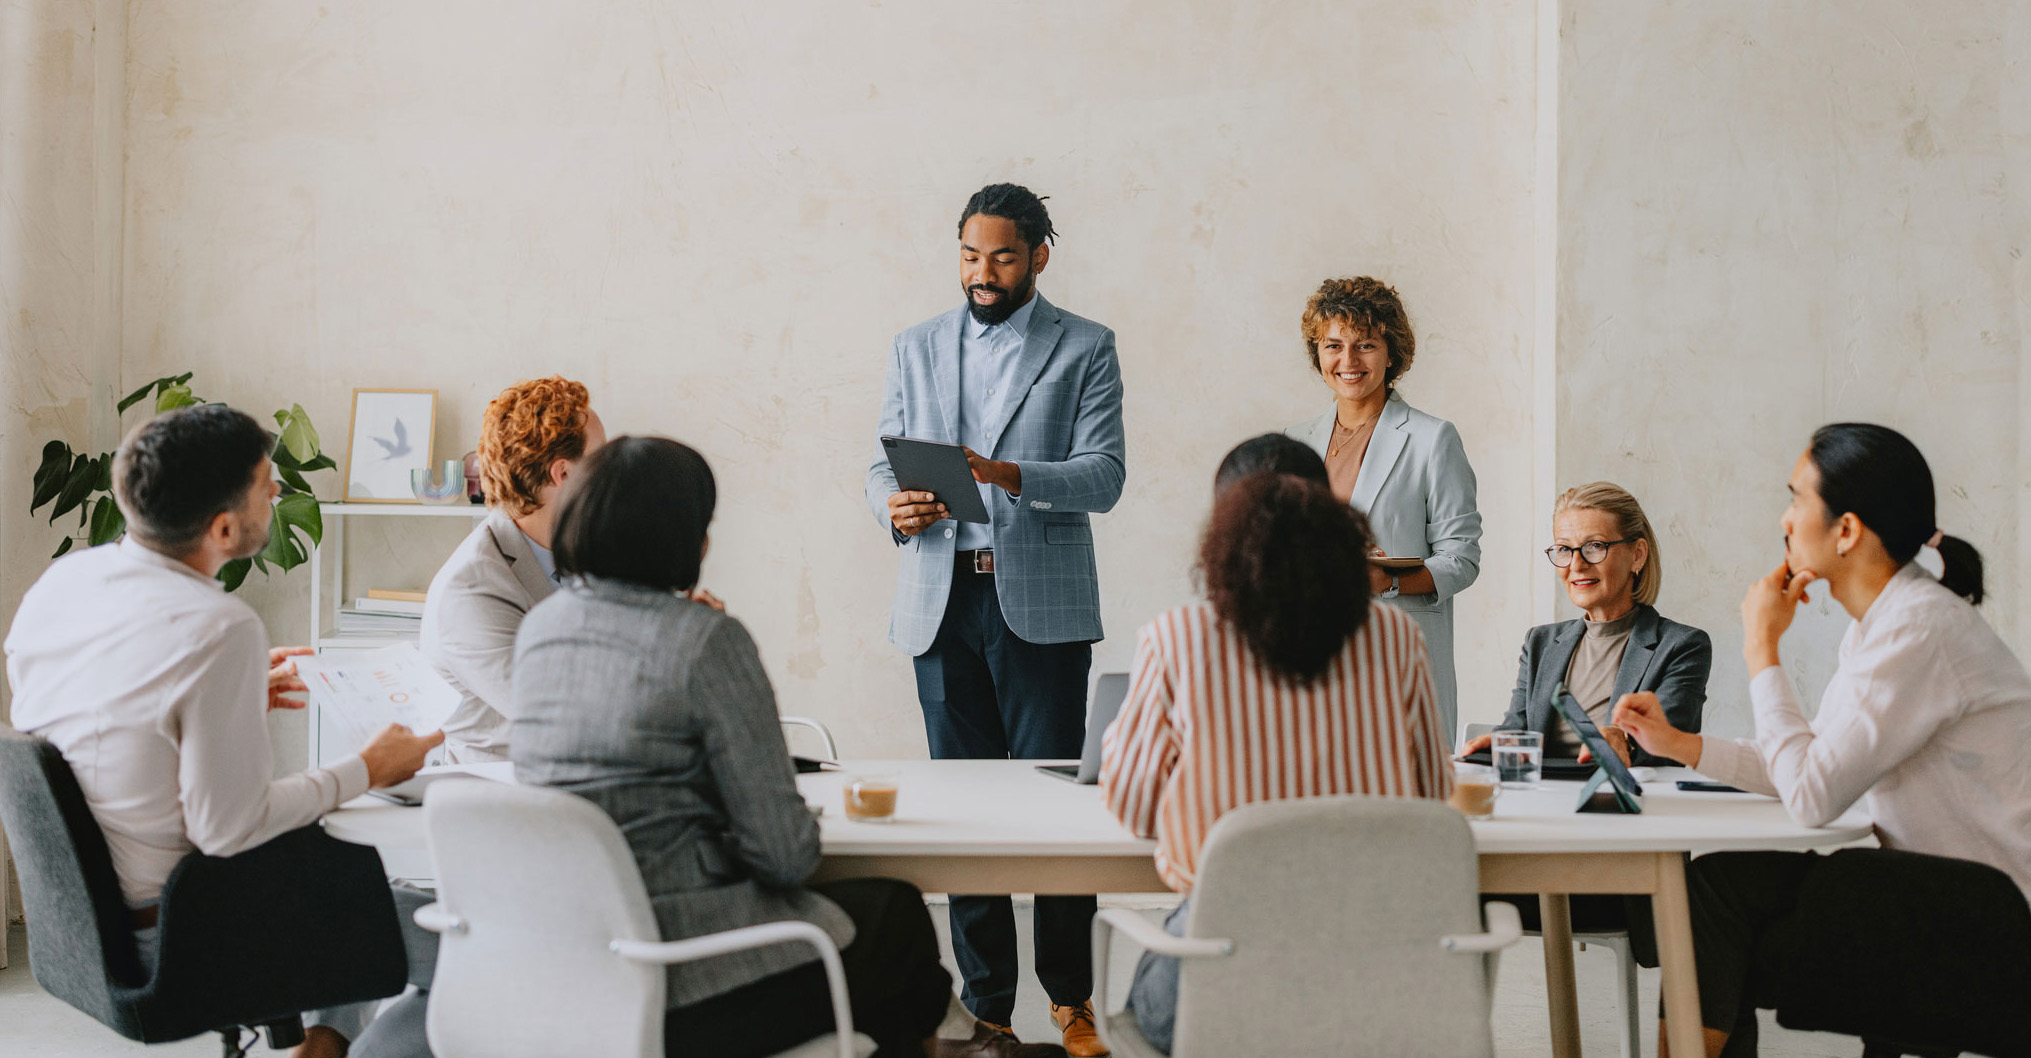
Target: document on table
[[360, 692]]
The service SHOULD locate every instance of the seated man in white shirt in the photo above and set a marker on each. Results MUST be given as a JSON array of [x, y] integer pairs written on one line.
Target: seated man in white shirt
[[153, 682]]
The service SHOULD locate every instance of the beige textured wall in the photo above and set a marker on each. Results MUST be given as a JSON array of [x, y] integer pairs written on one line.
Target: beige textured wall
[[46, 263], [717, 219], [1774, 216]]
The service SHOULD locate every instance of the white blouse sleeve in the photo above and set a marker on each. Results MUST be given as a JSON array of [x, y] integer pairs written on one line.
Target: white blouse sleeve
[[1884, 704]]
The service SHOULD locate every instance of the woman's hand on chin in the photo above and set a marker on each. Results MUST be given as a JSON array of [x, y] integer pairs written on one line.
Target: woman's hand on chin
[[1767, 610]]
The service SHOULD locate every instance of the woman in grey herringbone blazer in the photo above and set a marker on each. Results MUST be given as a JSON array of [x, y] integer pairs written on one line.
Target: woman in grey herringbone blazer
[[656, 708]]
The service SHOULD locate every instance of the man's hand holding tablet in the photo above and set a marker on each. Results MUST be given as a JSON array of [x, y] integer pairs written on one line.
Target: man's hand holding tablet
[[913, 512]]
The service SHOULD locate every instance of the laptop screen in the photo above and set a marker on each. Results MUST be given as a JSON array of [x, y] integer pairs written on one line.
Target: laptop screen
[[1108, 693]]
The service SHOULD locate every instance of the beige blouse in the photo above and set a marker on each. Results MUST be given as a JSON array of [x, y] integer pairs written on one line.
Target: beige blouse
[[1344, 452], [1591, 677]]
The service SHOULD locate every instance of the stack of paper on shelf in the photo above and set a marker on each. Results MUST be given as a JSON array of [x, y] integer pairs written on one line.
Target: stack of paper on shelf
[[372, 616]]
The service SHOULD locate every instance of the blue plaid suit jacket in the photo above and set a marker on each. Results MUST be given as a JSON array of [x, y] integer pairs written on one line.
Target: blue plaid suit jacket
[[1065, 432]]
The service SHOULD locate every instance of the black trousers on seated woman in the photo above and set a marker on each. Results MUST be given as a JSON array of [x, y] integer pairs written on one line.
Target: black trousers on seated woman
[[899, 989], [1897, 947]]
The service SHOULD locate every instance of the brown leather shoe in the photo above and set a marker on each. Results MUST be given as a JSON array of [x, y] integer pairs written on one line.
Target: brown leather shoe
[[1082, 1039], [993, 1041]]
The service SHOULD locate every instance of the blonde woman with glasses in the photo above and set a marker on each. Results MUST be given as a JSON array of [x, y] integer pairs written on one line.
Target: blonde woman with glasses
[[1621, 648]]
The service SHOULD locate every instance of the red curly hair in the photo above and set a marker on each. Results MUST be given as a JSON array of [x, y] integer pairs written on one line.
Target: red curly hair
[[530, 426]]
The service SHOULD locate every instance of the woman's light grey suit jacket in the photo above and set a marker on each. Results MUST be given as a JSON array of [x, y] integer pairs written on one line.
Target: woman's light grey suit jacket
[[656, 709], [1418, 492]]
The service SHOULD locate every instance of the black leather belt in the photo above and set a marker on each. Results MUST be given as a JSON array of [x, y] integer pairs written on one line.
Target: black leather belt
[[981, 561], [145, 917]]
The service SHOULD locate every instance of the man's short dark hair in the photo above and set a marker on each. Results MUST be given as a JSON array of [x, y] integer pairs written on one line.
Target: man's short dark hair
[[178, 471], [1014, 203], [638, 513]]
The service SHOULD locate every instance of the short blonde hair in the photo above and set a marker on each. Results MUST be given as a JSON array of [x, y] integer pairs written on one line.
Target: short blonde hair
[[1630, 521], [527, 428]]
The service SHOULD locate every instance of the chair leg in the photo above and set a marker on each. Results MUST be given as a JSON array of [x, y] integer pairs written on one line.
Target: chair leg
[[233, 1045], [1632, 1009]]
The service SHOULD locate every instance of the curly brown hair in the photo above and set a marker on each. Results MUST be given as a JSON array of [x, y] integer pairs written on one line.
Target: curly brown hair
[[1367, 304], [1286, 564], [527, 428]]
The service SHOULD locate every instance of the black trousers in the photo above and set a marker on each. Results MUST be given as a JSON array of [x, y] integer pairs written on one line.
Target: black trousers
[[899, 989], [989, 694], [1737, 898]]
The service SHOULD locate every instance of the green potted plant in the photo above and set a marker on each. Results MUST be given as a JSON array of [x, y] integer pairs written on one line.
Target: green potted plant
[[74, 481]]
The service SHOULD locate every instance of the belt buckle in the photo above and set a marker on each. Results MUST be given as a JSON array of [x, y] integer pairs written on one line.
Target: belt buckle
[[983, 561]]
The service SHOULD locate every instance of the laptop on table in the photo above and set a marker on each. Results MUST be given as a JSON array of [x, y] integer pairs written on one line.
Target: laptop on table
[[1108, 693]]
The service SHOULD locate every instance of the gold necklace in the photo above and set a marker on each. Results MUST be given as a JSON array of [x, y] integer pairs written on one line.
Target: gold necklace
[[1334, 449]]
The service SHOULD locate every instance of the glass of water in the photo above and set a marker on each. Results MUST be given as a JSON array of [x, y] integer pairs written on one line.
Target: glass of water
[[1519, 758]]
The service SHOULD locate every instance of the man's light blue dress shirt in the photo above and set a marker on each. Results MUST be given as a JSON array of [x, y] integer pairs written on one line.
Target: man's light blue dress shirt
[[544, 558], [987, 364]]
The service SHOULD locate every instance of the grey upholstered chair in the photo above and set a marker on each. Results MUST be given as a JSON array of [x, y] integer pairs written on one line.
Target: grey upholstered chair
[[302, 922], [1336, 925]]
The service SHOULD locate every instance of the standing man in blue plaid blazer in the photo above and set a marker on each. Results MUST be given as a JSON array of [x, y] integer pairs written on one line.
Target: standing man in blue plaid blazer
[[1002, 617]]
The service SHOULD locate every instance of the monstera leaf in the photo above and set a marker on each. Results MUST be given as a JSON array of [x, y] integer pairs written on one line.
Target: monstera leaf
[[67, 480]]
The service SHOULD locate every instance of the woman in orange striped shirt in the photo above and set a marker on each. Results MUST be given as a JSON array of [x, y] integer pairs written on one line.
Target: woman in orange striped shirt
[[1286, 682]]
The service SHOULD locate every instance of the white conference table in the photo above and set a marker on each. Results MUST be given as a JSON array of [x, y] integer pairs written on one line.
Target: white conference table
[[999, 827]]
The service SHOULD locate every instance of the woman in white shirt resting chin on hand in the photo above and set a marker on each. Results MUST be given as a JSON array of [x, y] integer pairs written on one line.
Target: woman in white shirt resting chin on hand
[[1927, 720]]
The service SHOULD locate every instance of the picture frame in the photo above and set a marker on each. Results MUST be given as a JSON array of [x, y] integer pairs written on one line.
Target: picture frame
[[394, 431]]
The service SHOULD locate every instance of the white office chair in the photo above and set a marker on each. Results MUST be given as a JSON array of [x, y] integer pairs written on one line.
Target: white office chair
[[547, 942], [1326, 926], [1615, 941], [824, 734]]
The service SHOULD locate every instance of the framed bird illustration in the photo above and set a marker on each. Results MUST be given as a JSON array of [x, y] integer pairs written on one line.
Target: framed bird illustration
[[393, 433]]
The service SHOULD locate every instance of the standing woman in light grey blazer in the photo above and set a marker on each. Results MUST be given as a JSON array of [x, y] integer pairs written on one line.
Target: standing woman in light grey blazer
[[655, 707], [1406, 470]]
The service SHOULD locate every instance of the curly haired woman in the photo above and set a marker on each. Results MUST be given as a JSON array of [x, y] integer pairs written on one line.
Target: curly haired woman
[[1404, 469]]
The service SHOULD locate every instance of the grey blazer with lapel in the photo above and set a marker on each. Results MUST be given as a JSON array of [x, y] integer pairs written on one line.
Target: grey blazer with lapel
[[1418, 491], [470, 616], [656, 709], [1667, 658], [1066, 433]]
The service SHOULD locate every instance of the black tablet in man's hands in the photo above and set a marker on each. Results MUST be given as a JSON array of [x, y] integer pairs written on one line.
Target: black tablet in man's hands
[[939, 469]]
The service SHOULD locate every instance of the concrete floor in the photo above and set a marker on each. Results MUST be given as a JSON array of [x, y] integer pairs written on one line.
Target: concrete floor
[[34, 1025]]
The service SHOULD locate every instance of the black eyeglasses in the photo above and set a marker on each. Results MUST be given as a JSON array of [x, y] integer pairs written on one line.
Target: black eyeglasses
[[1593, 550]]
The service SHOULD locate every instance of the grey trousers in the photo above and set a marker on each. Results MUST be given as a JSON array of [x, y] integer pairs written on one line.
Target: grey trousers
[[1153, 995], [398, 1031]]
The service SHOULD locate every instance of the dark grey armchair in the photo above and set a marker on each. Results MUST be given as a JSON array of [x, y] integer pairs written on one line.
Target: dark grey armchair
[[302, 922]]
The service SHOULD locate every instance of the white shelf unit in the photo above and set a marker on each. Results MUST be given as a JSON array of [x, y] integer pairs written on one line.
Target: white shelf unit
[[335, 515]]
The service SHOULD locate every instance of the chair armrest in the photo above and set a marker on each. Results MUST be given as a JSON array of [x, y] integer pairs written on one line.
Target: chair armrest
[[665, 952], [1505, 927], [824, 734], [436, 919], [1152, 938]]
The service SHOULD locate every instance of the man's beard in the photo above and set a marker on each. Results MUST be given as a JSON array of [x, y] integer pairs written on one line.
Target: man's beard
[[257, 543], [1005, 305]]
